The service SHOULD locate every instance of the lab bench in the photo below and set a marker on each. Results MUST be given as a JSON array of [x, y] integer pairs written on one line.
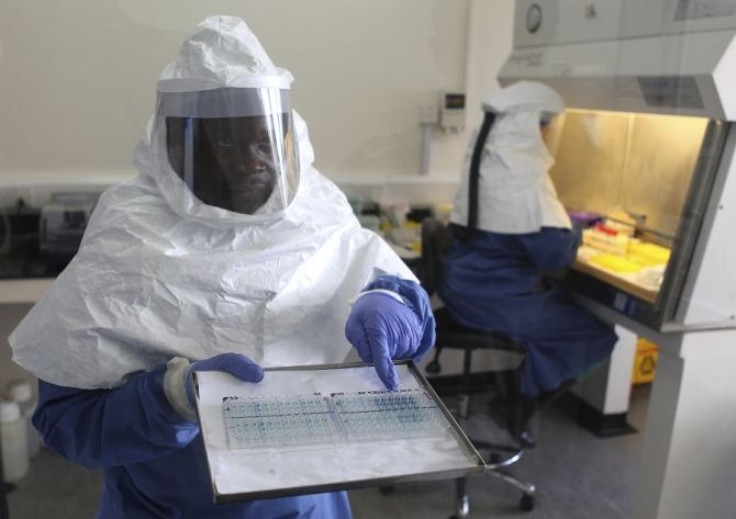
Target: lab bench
[[23, 291]]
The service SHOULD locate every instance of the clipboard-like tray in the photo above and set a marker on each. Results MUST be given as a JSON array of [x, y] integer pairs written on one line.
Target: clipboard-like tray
[[273, 470]]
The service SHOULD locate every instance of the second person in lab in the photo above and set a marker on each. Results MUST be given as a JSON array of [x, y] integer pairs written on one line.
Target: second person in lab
[[507, 230]]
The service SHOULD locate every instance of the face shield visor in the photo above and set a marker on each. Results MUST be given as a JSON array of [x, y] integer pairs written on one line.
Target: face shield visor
[[234, 148]]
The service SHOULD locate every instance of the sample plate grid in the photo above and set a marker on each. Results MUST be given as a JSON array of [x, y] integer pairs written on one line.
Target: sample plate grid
[[371, 416], [271, 421]]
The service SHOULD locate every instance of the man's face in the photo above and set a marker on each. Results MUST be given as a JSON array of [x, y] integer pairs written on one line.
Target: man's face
[[235, 162], [238, 163]]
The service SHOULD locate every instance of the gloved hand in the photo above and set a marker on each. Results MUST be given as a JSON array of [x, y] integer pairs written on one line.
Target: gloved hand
[[382, 328], [236, 364], [179, 385]]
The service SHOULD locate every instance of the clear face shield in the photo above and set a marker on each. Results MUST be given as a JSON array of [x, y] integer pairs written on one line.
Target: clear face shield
[[234, 148]]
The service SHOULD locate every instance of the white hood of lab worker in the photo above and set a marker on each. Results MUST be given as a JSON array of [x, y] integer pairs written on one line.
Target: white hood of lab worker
[[160, 274], [515, 192]]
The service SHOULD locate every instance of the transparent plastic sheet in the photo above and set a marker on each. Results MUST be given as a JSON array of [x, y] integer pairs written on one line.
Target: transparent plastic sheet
[[273, 421], [307, 419], [234, 148]]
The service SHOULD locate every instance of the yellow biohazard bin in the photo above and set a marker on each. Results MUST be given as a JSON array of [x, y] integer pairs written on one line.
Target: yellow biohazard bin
[[645, 363]]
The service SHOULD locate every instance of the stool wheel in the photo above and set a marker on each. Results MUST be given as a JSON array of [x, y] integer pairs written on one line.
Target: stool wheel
[[433, 368], [386, 490], [527, 502]]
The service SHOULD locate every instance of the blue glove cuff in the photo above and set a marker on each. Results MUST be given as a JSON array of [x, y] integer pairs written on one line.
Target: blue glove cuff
[[176, 382], [389, 293]]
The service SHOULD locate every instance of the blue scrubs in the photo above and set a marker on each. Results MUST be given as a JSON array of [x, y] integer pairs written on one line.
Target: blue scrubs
[[492, 282], [153, 461]]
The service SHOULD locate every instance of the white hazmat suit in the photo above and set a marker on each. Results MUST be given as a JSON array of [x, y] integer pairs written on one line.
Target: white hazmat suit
[[160, 274], [228, 252]]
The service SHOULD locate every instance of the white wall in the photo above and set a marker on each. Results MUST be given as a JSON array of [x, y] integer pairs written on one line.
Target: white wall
[[489, 41], [489, 44], [77, 78]]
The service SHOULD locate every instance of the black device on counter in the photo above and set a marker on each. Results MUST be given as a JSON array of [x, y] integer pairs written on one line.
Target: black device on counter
[[19, 252], [39, 242], [19, 230], [419, 213], [63, 221]]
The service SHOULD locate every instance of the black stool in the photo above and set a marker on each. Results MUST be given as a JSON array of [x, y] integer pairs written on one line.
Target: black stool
[[452, 335]]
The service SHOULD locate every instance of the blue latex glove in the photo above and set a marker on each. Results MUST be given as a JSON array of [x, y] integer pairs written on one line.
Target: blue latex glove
[[179, 384], [236, 364], [149, 417], [381, 328]]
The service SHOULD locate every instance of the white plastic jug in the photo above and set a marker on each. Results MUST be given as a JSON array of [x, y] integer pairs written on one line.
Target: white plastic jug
[[20, 391], [13, 435]]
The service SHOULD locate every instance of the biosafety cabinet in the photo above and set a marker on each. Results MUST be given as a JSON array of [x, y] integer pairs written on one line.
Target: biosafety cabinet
[[645, 163], [645, 151]]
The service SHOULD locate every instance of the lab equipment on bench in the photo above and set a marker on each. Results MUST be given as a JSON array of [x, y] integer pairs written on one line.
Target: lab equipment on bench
[[19, 231], [645, 144], [322, 428], [63, 221]]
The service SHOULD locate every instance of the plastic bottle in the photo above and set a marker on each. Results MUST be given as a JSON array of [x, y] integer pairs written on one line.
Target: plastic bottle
[[20, 391], [14, 442]]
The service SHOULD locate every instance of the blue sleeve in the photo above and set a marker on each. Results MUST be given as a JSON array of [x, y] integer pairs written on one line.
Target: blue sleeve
[[551, 248], [109, 427], [418, 300]]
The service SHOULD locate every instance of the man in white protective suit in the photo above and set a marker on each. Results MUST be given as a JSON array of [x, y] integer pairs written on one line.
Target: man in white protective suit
[[228, 252]]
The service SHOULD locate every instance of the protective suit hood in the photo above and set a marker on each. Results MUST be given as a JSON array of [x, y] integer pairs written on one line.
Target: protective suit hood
[[160, 274], [219, 61], [524, 96], [221, 51], [515, 194]]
